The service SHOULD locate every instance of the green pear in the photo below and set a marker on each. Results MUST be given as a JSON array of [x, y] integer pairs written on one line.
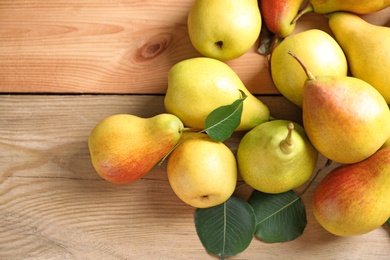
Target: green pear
[[197, 86], [279, 16], [321, 52], [353, 6], [202, 172], [366, 47], [125, 147], [224, 29], [345, 118], [355, 199], [276, 156]]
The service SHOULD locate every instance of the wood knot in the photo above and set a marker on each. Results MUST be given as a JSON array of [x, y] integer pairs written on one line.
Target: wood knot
[[153, 47]]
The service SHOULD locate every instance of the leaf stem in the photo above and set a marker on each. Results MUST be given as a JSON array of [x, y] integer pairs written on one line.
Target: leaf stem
[[224, 230], [326, 165], [179, 143], [190, 129]]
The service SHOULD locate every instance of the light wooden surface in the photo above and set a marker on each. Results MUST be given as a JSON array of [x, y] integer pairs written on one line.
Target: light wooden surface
[[52, 203], [54, 206], [111, 46]]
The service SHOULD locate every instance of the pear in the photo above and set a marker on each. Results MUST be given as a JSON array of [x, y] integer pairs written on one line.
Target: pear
[[355, 199], [197, 86], [279, 15], [345, 118], [202, 172], [353, 6], [276, 156], [125, 147], [366, 47], [321, 52], [224, 29]]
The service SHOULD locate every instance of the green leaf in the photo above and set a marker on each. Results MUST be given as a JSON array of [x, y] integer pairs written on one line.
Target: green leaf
[[221, 122], [388, 222], [227, 229], [279, 217]]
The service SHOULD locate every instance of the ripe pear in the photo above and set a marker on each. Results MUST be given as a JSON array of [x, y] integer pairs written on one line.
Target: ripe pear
[[224, 29], [366, 47], [197, 86], [353, 6], [202, 172], [276, 156], [345, 118], [355, 199], [279, 15], [125, 147], [321, 52]]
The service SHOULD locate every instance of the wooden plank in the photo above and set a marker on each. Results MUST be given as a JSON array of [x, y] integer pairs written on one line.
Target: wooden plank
[[111, 46], [54, 206]]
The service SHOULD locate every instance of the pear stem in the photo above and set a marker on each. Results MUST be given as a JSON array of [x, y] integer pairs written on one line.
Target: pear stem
[[306, 9], [287, 144], [309, 75], [275, 42]]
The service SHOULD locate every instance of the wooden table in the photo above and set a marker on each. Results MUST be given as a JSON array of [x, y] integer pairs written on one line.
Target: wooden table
[[64, 66]]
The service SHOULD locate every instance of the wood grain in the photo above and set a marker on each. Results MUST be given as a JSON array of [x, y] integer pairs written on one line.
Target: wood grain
[[112, 46], [54, 206]]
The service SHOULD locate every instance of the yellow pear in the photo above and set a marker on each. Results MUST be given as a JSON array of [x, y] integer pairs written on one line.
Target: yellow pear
[[366, 47], [321, 53], [276, 157], [345, 118], [201, 171], [224, 29], [125, 147], [197, 86]]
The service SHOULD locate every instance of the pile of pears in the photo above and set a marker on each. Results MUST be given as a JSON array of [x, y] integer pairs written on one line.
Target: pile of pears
[[339, 81], [342, 85]]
